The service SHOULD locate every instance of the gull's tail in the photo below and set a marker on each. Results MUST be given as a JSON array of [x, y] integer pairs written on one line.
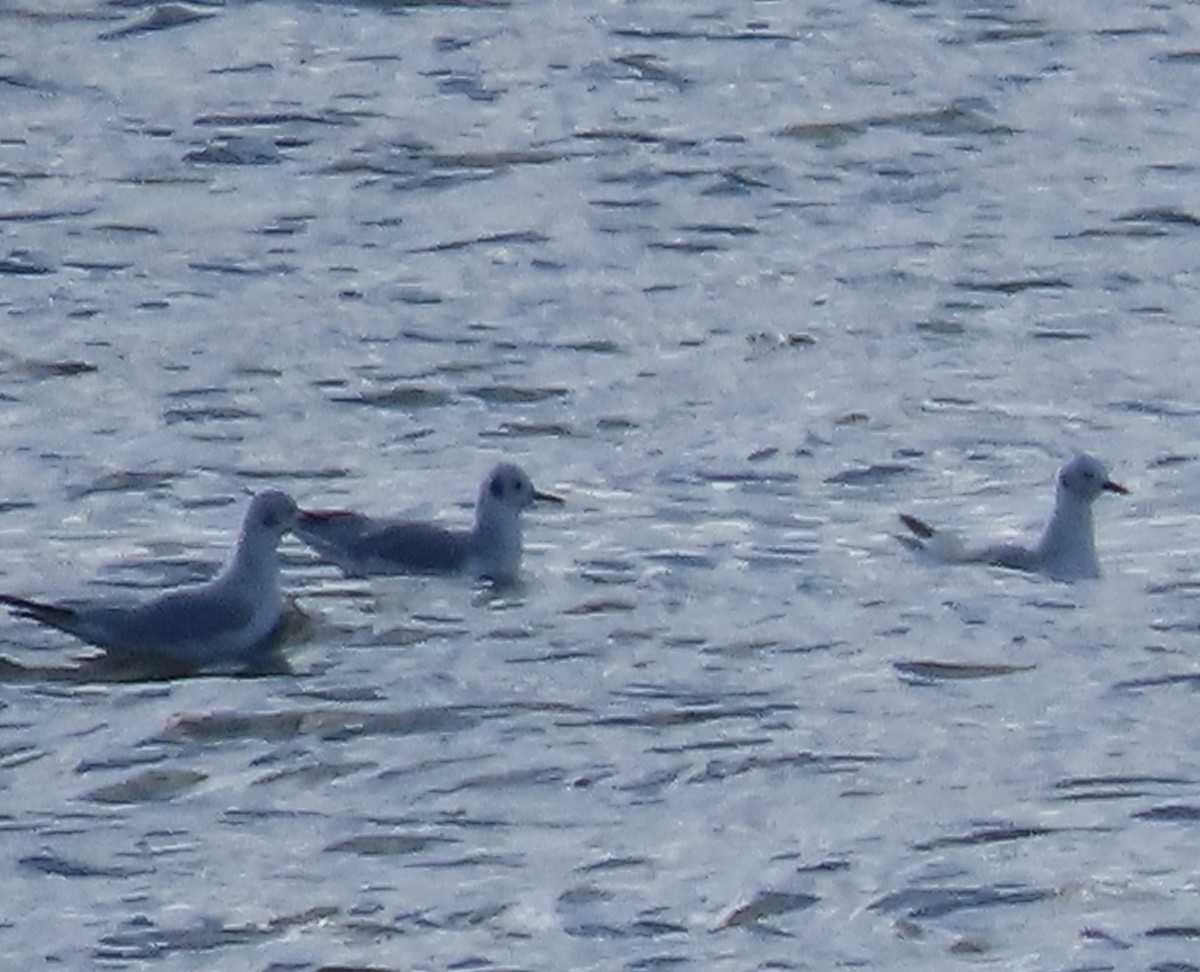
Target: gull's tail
[[54, 615], [942, 545], [921, 533], [922, 529]]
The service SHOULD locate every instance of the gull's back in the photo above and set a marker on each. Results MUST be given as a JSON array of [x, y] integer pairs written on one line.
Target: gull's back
[[196, 626], [361, 546]]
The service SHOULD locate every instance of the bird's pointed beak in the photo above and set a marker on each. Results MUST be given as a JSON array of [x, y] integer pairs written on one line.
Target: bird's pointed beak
[[1112, 487], [541, 497]]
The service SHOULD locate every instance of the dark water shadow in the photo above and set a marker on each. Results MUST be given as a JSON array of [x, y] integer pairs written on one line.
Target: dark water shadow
[[103, 669]]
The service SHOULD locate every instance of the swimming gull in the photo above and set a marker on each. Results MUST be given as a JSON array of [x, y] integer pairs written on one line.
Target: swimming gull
[[361, 545], [1067, 549], [231, 619]]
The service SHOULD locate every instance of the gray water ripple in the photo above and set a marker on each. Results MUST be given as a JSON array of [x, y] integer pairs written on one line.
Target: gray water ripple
[[388, 845], [319, 722], [56, 866], [235, 150], [19, 263], [766, 904], [939, 902], [141, 939]]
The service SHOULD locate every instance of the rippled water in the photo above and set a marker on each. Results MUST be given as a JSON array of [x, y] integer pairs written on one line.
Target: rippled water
[[738, 280]]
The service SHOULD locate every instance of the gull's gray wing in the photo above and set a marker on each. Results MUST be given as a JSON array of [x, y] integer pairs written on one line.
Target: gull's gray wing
[[195, 627], [361, 546], [199, 625], [1010, 555], [414, 547]]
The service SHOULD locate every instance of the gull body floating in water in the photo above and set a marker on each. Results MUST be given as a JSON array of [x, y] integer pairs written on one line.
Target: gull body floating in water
[[1067, 549], [361, 545], [232, 619]]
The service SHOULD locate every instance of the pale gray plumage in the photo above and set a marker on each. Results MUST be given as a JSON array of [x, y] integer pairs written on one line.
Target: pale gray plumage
[[230, 619], [1067, 548], [361, 545]]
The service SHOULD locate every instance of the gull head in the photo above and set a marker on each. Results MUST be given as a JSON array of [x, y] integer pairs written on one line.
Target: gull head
[[1086, 477], [508, 487], [271, 513]]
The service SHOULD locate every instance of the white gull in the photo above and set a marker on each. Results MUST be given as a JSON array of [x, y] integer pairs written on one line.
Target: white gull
[[361, 545], [233, 618], [1067, 549]]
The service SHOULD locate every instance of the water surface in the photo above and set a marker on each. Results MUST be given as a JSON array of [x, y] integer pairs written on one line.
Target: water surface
[[740, 281]]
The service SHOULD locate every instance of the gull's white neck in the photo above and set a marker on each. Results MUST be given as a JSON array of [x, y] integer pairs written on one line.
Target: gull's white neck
[[496, 541], [254, 566], [1068, 545]]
